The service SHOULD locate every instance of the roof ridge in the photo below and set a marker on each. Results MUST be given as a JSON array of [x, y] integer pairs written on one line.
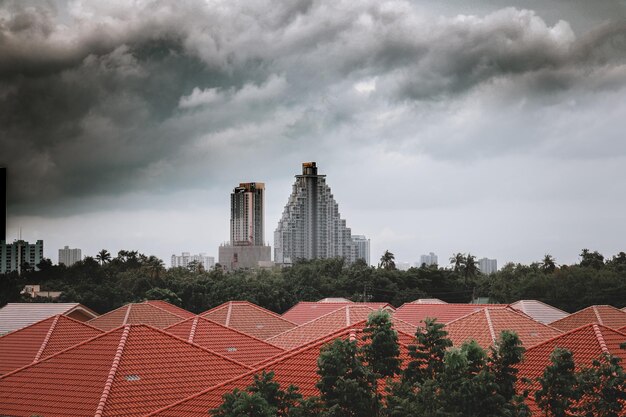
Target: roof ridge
[[597, 314], [192, 331], [47, 338], [161, 308], [116, 361], [600, 339], [108, 312], [125, 321], [564, 334], [228, 313], [492, 332]]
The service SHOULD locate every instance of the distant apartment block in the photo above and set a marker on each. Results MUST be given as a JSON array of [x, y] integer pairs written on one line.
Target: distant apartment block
[[14, 256], [246, 248], [428, 260], [208, 262], [69, 257], [311, 226], [487, 266], [362, 247]]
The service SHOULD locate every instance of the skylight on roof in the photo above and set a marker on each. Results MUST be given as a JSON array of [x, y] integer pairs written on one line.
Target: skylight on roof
[[231, 349], [132, 377], [260, 326]]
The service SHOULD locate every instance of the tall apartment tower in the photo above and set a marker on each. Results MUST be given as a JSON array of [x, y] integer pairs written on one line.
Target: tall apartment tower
[[246, 214], [311, 226], [246, 249], [69, 257], [14, 256]]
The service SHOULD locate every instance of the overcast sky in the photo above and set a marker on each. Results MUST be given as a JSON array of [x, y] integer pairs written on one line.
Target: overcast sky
[[444, 126]]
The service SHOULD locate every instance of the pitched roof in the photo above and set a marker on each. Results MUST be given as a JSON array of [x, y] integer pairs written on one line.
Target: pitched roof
[[428, 301], [485, 326], [306, 311], [228, 342], [171, 308], [601, 314], [322, 326], [297, 367], [539, 311], [15, 316], [128, 371], [444, 313], [41, 339], [249, 318], [137, 313]]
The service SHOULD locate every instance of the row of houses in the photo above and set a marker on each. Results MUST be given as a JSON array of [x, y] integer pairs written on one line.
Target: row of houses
[[154, 358]]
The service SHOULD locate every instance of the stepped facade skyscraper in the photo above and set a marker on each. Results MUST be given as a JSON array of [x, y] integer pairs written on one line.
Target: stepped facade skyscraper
[[311, 226]]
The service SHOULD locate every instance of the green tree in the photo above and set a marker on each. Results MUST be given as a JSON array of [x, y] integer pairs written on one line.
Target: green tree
[[603, 388], [103, 256], [548, 264], [591, 259], [559, 385], [387, 261], [458, 262], [427, 355], [380, 350]]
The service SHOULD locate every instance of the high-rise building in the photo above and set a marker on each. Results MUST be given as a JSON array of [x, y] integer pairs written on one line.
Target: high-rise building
[[362, 247], [487, 266], [311, 226], [14, 256], [246, 248], [69, 257], [428, 260], [207, 262]]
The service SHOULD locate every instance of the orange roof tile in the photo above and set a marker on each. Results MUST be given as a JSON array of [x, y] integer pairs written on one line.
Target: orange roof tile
[[171, 308], [601, 314], [306, 311], [137, 313], [297, 367], [586, 343], [128, 371], [249, 318], [539, 311], [15, 316], [42, 339], [322, 326], [485, 326], [415, 313], [228, 342]]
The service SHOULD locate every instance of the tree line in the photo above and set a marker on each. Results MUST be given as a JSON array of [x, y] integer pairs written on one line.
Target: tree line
[[368, 379], [107, 282]]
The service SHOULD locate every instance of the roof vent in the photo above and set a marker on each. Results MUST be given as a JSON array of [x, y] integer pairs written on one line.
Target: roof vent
[[132, 377], [231, 349], [260, 326]]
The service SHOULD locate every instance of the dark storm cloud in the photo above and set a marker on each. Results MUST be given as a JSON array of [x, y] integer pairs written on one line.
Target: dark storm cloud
[[150, 97]]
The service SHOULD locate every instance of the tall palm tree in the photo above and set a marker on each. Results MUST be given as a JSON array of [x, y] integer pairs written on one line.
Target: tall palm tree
[[548, 265], [458, 262], [471, 267], [387, 261], [103, 256]]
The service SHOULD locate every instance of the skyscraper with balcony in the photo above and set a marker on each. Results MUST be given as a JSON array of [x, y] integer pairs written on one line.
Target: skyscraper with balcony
[[311, 226], [246, 248]]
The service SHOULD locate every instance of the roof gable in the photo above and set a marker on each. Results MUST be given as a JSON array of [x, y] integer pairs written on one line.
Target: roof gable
[[223, 340], [249, 318], [415, 313], [306, 311], [601, 314], [486, 325], [136, 313], [322, 326], [128, 371]]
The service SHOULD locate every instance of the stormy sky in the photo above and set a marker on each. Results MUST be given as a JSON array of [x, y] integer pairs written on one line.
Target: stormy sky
[[489, 127]]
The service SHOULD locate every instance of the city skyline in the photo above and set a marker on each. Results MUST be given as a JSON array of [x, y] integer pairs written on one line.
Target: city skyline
[[447, 127]]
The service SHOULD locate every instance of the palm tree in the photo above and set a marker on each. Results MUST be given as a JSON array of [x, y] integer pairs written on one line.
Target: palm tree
[[458, 260], [548, 265], [471, 267], [103, 256], [387, 261], [154, 265]]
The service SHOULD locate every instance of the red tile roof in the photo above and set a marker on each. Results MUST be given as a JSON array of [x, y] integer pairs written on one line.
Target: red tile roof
[[322, 326], [171, 308], [249, 318], [414, 313], [485, 326], [42, 339], [586, 343], [297, 367], [137, 313], [306, 311], [128, 371], [539, 311], [228, 342], [15, 316], [602, 314]]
